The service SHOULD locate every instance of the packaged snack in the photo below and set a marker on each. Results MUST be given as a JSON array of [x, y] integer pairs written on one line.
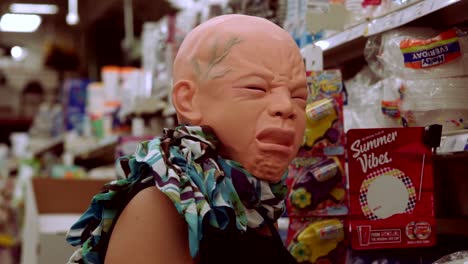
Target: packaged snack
[[318, 240], [419, 54], [317, 187], [317, 197], [324, 130], [74, 100]]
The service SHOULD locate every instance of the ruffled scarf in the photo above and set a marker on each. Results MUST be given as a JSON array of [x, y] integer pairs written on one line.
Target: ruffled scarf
[[185, 166]]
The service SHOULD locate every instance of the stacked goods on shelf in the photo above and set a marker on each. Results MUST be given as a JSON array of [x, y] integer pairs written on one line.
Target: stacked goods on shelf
[[460, 257], [317, 199], [326, 20], [419, 53], [74, 100], [423, 80], [376, 8], [9, 221], [157, 57], [121, 95], [337, 22]]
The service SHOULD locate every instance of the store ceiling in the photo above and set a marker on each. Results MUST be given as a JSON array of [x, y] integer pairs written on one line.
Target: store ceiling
[[87, 13], [92, 10]]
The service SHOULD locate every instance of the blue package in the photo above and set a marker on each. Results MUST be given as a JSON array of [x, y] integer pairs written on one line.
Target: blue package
[[74, 104]]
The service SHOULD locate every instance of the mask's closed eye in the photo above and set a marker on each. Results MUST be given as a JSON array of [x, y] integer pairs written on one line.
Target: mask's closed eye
[[256, 88], [300, 98], [300, 95]]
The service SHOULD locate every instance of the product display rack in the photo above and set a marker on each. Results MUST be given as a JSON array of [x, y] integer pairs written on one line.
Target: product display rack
[[345, 50], [350, 43]]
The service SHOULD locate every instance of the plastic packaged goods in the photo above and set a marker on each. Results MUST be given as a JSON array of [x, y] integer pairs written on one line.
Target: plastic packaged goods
[[365, 94], [455, 258], [356, 10], [376, 8], [155, 52], [432, 94], [326, 18], [418, 53], [74, 102], [111, 80], [317, 197], [454, 142], [424, 102], [369, 9], [291, 14], [131, 87], [317, 187], [317, 240], [47, 122], [96, 98], [396, 102]]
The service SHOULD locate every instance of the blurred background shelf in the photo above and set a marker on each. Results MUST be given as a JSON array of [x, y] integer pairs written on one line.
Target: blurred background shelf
[[457, 227], [350, 43]]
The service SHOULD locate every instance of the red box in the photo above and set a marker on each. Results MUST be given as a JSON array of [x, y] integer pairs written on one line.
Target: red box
[[391, 189]]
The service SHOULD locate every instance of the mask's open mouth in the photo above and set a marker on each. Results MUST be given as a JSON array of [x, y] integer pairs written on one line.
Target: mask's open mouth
[[277, 136]]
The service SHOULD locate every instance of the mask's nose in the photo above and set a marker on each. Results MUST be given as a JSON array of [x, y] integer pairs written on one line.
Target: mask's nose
[[282, 105]]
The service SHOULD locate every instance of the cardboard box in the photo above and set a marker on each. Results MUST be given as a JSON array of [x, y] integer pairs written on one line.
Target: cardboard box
[[51, 207]]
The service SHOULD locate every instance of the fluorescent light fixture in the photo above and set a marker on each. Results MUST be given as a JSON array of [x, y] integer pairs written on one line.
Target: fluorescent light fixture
[[19, 22], [72, 17], [323, 44], [34, 9]]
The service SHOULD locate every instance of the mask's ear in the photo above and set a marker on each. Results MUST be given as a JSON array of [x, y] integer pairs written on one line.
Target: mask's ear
[[183, 95]]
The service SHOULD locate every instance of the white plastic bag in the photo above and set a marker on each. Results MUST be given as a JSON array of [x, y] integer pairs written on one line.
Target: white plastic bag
[[455, 258], [387, 58]]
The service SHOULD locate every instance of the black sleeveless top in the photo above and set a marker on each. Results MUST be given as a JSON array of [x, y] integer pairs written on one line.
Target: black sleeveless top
[[234, 246], [229, 245]]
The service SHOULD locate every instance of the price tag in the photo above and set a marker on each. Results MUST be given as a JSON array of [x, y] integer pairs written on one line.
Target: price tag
[[313, 56]]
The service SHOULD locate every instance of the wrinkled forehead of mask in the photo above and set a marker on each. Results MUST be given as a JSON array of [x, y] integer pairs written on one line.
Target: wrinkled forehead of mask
[[209, 45]]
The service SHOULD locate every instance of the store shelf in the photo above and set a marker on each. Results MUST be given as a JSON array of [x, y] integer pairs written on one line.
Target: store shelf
[[98, 150], [11, 125], [452, 227], [383, 23], [39, 146], [406, 15], [350, 43], [147, 106]]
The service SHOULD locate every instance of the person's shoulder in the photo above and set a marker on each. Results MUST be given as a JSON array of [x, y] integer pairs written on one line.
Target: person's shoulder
[[149, 202], [149, 230]]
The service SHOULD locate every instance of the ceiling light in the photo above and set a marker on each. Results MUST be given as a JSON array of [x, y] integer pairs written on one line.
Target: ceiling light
[[72, 17], [18, 53], [19, 22], [34, 9]]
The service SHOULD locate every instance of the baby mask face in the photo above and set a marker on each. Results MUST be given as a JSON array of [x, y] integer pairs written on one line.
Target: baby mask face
[[253, 94]]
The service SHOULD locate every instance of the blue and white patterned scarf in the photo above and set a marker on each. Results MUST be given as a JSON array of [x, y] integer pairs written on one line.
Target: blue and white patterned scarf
[[185, 166]]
